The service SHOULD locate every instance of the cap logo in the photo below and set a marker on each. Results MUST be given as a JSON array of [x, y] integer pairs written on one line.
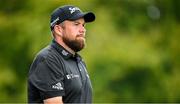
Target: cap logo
[[52, 23], [72, 10]]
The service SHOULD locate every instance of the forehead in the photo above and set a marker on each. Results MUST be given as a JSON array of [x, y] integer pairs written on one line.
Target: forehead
[[80, 20]]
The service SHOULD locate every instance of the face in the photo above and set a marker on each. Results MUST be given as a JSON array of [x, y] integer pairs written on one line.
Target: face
[[73, 34]]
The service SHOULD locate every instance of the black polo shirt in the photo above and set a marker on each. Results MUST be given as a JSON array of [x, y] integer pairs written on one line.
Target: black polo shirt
[[56, 72]]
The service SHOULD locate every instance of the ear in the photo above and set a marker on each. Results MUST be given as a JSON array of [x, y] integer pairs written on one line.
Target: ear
[[58, 30]]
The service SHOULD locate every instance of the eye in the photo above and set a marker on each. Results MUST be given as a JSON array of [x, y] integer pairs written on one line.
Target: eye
[[76, 23], [84, 25]]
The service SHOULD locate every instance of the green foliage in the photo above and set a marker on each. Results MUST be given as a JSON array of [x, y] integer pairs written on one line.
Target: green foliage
[[132, 51]]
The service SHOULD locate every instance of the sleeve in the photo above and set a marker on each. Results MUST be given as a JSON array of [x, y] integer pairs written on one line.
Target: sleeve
[[48, 78]]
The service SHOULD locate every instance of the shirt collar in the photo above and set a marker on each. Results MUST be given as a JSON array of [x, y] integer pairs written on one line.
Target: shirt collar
[[66, 54]]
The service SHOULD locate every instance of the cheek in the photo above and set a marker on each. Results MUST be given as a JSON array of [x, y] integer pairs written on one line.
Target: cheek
[[69, 34], [72, 32]]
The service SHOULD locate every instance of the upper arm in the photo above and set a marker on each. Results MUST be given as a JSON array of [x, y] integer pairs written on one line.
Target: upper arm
[[54, 100], [48, 79]]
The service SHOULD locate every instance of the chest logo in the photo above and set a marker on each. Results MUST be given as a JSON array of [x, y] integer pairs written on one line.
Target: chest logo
[[70, 76]]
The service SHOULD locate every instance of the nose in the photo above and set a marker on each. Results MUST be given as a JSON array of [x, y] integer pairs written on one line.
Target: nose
[[82, 30]]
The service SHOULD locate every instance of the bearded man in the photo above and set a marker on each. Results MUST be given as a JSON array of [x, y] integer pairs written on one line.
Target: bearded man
[[58, 74]]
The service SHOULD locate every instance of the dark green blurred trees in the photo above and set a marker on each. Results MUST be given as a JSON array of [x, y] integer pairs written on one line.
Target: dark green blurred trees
[[132, 48]]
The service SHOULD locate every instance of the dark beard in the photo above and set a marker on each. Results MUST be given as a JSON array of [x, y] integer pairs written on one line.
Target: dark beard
[[75, 45]]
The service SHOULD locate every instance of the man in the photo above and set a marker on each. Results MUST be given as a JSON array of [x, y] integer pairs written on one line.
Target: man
[[58, 73]]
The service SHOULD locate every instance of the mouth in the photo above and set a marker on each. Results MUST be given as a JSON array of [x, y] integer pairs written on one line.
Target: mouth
[[81, 38], [81, 35]]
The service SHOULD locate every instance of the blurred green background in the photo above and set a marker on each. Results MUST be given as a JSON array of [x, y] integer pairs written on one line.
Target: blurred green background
[[132, 53]]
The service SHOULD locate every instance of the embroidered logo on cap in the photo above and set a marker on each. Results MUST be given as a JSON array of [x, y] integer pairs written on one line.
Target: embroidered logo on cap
[[72, 10], [52, 23]]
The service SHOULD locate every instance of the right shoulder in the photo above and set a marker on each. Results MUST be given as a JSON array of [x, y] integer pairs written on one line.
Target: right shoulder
[[48, 53], [48, 57]]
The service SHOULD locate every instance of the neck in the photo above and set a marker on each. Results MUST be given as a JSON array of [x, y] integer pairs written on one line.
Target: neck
[[60, 41]]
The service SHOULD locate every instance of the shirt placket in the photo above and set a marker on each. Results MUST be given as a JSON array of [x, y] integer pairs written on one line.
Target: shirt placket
[[82, 70]]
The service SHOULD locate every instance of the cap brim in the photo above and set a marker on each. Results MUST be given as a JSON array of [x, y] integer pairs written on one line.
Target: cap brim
[[88, 17]]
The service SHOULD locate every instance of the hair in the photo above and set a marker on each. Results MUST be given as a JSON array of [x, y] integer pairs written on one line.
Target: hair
[[60, 24]]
